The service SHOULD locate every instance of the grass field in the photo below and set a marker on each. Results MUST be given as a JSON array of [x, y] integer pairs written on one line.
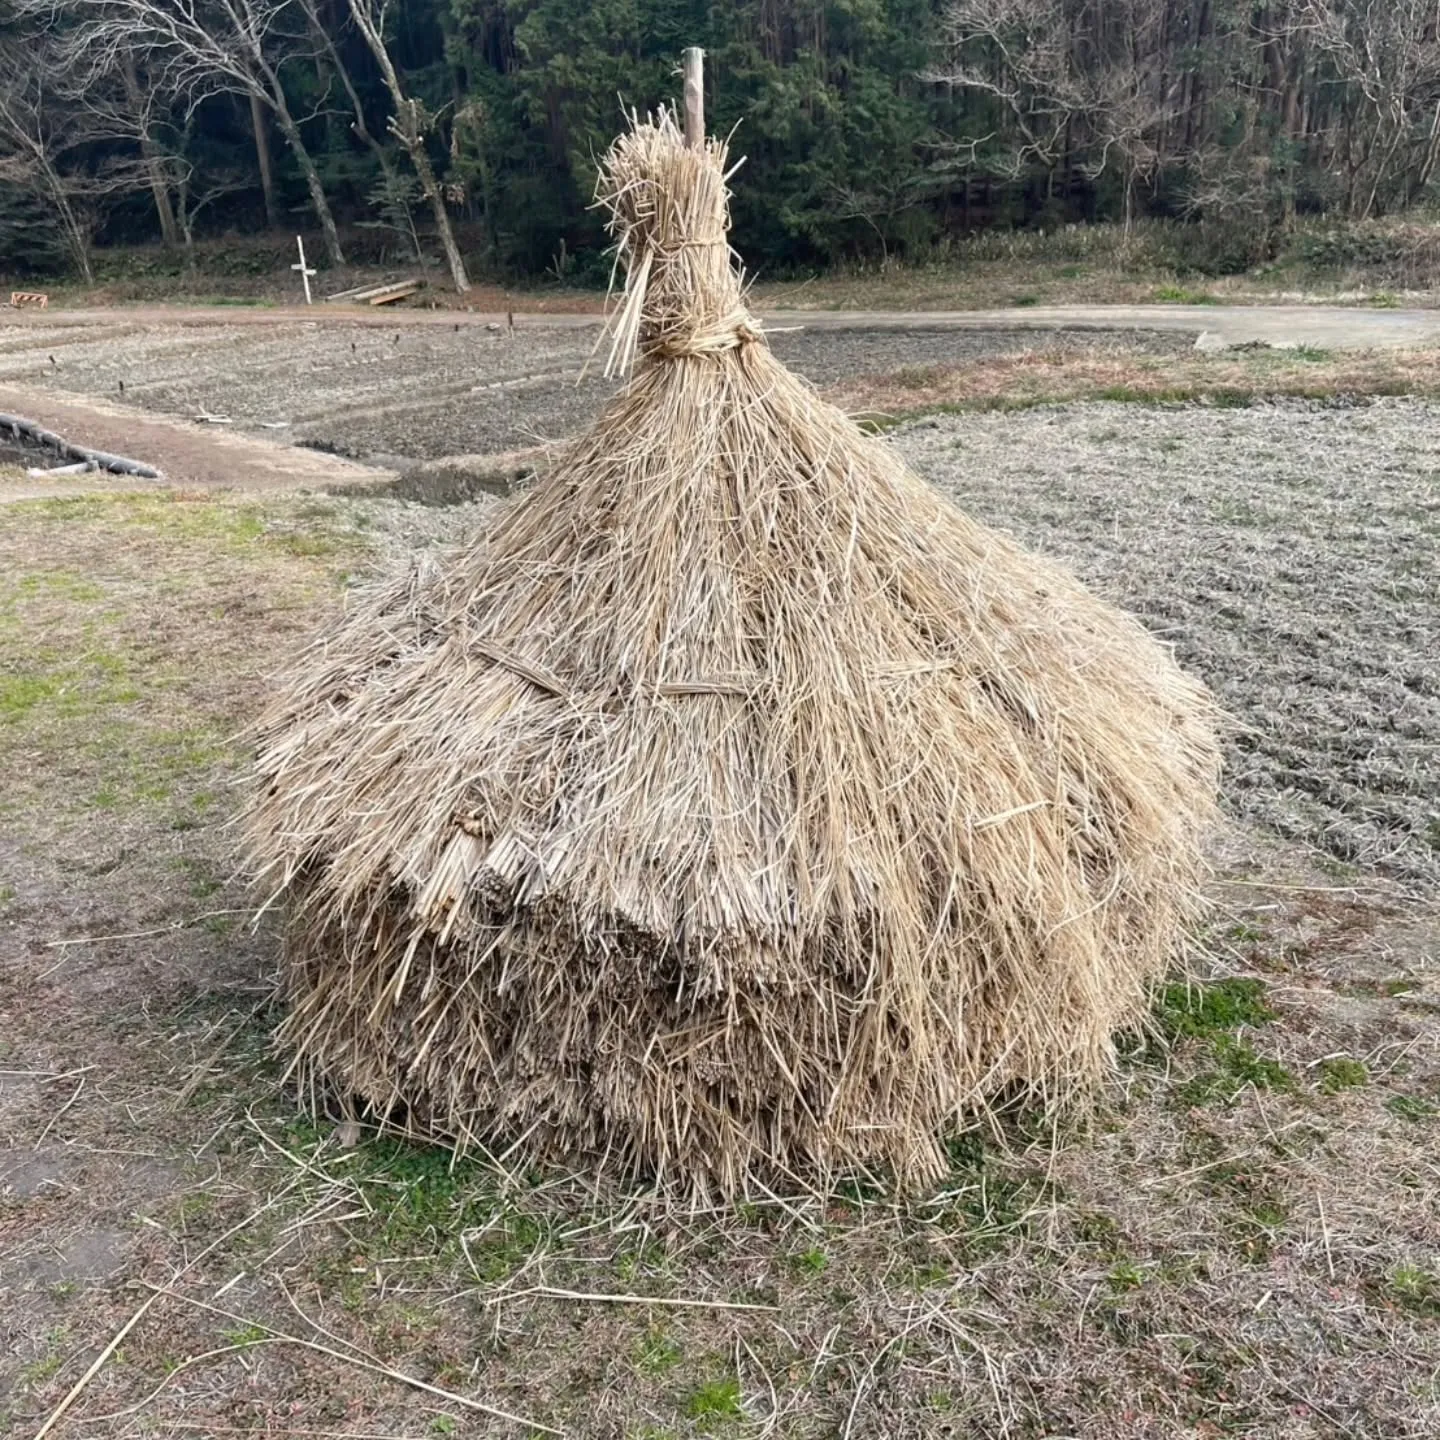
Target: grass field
[[1244, 1241]]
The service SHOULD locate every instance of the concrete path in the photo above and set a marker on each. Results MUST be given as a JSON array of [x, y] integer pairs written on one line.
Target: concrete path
[[1332, 327]]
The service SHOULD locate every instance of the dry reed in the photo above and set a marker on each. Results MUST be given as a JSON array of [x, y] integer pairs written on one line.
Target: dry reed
[[732, 808]]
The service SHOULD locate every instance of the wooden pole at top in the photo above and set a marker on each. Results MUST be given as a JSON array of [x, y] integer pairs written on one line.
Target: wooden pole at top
[[693, 62]]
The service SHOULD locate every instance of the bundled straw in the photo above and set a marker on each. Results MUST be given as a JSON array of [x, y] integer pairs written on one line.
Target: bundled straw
[[732, 808]]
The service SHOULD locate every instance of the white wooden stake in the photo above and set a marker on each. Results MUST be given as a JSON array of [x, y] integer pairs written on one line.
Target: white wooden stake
[[693, 61], [305, 271]]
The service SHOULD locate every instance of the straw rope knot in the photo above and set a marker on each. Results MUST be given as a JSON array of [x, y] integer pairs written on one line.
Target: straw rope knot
[[670, 215], [728, 332]]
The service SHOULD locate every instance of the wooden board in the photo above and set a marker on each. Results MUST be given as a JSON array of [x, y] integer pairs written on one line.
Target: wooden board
[[393, 292], [376, 294]]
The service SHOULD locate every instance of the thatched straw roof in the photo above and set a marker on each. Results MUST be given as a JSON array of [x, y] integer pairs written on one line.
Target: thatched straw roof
[[733, 808]]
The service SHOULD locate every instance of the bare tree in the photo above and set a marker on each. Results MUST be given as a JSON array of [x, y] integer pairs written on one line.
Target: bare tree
[[142, 98], [1126, 94], [116, 90], [1387, 54], [1018, 52], [410, 124], [206, 47], [193, 194], [39, 134], [325, 43], [1074, 77], [260, 131]]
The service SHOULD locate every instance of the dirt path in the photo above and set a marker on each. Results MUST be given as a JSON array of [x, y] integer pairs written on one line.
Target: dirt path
[[185, 456], [1329, 326]]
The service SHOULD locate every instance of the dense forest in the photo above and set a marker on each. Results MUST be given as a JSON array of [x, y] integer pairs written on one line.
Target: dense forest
[[469, 129]]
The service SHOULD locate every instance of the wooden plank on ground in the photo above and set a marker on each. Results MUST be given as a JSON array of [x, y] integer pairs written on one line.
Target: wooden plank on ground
[[393, 292], [350, 294], [365, 294]]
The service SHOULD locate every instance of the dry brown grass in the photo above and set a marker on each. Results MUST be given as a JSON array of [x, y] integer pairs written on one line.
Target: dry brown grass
[[732, 811], [1045, 377]]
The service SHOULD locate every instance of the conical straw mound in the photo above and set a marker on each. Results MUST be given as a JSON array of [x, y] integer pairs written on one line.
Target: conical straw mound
[[733, 809]]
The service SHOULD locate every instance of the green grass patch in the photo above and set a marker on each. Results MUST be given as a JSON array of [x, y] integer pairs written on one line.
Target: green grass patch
[[1101, 1231], [1244, 932], [67, 690], [46, 1366], [981, 1206], [716, 1401], [1413, 1288], [1341, 1072], [61, 585], [1213, 1014], [1412, 1108], [1388, 989], [233, 528], [245, 1335], [658, 1352], [1126, 1276], [1236, 1066], [1257, 1209], [151, 765], [1187, 1011], [1224, 397], [810, 1263], [1179, 295], [445, 1212]]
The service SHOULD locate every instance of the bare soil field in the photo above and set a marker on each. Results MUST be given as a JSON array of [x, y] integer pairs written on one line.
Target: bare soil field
[[1245, 1241], [1289, 550], [387, 395]]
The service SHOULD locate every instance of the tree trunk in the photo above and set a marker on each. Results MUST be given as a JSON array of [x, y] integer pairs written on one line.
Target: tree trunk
[[358, 125], [1432, 157], [407, 126], [415, 144], [262, 154], [1195, 111], [150, 155], [77, 242], [160, 189], [291, 132]]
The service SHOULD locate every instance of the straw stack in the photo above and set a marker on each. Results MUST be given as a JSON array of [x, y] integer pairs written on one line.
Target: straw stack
[[733, 809]]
